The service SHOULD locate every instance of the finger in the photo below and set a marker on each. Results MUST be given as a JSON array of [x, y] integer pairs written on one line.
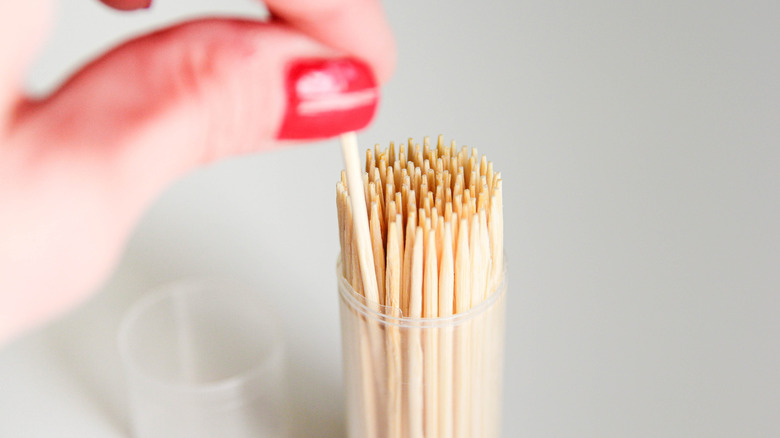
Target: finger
[[128, 5], [358, 27], [162, 104], [23, 27], [85, 162]]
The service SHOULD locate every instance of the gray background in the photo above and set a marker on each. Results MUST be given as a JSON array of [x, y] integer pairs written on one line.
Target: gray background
[[639, 147]]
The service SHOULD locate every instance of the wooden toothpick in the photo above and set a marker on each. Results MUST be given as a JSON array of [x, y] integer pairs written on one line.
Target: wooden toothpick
[[349, 148]]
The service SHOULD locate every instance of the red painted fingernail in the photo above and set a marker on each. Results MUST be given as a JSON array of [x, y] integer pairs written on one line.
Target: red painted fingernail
[[327, 97]]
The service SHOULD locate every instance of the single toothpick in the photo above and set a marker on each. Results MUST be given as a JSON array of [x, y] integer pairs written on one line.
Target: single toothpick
[[362, 243], [393, 344], [349, 148], [430, 359], [446, 295], [415, 362], [462, 360]]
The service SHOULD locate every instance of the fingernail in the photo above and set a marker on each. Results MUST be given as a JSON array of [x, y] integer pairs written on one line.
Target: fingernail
[[327, 97]]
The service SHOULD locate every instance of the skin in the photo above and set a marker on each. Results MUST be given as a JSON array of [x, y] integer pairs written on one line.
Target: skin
[[78, 167]]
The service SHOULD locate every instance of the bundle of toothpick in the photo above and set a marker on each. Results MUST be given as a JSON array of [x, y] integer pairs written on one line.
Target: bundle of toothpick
[[433, 249]]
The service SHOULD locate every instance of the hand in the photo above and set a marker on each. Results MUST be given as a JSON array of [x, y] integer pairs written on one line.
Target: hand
[[78, 167]]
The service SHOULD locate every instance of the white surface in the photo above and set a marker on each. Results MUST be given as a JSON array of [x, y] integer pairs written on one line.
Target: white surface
[[639, 147]]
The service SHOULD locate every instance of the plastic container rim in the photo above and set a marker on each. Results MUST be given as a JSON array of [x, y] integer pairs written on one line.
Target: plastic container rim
[[226, 384], [372, 310]]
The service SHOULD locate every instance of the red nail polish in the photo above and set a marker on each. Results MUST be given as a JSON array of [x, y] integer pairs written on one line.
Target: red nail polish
[[327, 97]]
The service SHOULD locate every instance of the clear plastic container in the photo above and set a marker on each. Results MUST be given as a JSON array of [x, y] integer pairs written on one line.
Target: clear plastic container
[[204, 359], [422, 377]]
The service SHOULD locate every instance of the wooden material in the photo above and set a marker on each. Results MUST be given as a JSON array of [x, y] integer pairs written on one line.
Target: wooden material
[[421, 240], [349, 148]]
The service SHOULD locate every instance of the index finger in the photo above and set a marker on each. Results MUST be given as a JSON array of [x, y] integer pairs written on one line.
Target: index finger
[[357, 27]]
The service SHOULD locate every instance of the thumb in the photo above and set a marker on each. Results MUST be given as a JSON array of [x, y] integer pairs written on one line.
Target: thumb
[[23, 26], [159, 105]]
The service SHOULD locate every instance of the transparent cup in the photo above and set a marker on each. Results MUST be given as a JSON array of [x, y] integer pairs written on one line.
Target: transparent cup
[[422, 377], [204, 358]]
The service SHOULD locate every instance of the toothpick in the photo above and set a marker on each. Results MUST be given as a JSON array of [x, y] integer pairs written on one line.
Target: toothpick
[[393, 345], [431, 310], [446, 291], [377, 250], [415, 365], [349, 148], [462, 362]]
